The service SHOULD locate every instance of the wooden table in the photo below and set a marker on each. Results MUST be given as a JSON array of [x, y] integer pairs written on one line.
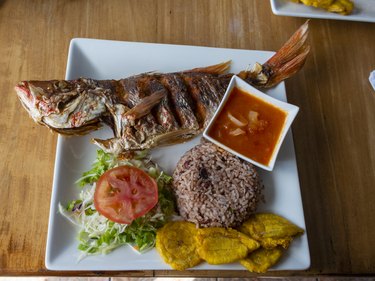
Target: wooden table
[[334, 133]]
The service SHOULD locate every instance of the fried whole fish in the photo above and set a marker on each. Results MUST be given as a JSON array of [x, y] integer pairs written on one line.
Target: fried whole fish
[[150, 109]]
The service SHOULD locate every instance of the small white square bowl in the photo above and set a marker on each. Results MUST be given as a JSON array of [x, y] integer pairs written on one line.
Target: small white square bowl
[[290, 110]]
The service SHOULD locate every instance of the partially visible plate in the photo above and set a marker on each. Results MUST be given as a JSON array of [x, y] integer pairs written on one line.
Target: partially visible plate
[[364, 10], [101, 59]]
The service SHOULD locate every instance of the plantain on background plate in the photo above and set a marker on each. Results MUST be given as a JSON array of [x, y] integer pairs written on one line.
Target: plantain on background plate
[[343, 7]]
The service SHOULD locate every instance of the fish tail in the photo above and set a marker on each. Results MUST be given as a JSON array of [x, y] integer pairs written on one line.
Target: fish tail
[[288, 60], [212, 69]]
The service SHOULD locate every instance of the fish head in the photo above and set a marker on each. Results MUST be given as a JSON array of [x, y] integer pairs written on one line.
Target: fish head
[[61, 104], [35, 97]]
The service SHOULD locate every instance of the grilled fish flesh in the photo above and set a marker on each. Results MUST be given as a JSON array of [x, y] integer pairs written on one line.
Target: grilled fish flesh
[[150, 109]]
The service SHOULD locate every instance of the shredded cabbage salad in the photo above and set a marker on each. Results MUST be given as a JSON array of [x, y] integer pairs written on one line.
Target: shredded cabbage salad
[[99, 235]]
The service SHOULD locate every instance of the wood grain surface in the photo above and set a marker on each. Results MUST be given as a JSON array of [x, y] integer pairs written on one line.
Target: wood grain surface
[[334, 132]]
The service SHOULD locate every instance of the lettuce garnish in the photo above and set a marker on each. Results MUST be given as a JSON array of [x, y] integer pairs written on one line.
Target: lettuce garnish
[[97, 234]]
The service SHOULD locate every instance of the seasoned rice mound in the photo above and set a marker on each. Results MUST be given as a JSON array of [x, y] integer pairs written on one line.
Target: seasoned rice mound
[[215, 188]]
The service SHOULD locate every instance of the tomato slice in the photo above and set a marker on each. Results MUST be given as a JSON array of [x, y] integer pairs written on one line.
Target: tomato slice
[[125, 193]]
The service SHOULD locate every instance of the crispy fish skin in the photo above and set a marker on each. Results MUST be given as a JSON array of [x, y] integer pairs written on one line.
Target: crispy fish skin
[[181, 99], [218, 245], [262, 259], [176, 243], [164, 108], [270, 230]]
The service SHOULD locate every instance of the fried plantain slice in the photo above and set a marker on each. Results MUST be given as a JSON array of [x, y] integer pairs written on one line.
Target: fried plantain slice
[[218, 245], [270, 230], [176, 243], [262, 259], [270, 243], [343, 7]]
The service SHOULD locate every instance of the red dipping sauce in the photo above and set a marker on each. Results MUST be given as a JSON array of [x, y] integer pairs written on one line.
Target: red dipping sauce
[[249, 126]]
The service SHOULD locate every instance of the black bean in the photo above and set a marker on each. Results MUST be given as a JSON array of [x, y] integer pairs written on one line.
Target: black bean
[[203, 173]]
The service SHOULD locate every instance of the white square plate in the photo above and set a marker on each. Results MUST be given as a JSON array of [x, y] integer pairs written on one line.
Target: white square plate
[[101, 59], [364, 10]]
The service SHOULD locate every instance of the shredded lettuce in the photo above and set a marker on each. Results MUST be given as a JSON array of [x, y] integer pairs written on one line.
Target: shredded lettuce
[[97, 234], [103, 162]]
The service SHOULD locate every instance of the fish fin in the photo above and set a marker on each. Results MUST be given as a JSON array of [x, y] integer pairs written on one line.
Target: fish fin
[[115, 145], [174, 137], [145, 106], [212, 69], [112, 145], [76, 131], [288, 60]]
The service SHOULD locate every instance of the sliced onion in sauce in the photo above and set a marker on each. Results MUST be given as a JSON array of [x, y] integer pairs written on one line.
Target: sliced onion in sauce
[[236, 121], [253, 116], [237, 132], [255, 124]]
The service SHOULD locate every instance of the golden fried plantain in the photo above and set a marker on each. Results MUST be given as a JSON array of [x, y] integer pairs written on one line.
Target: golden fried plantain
[[219, 245], [176, 243], [270, 230], [262, 259], [343, 7], [324, 4], [270, 243]]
